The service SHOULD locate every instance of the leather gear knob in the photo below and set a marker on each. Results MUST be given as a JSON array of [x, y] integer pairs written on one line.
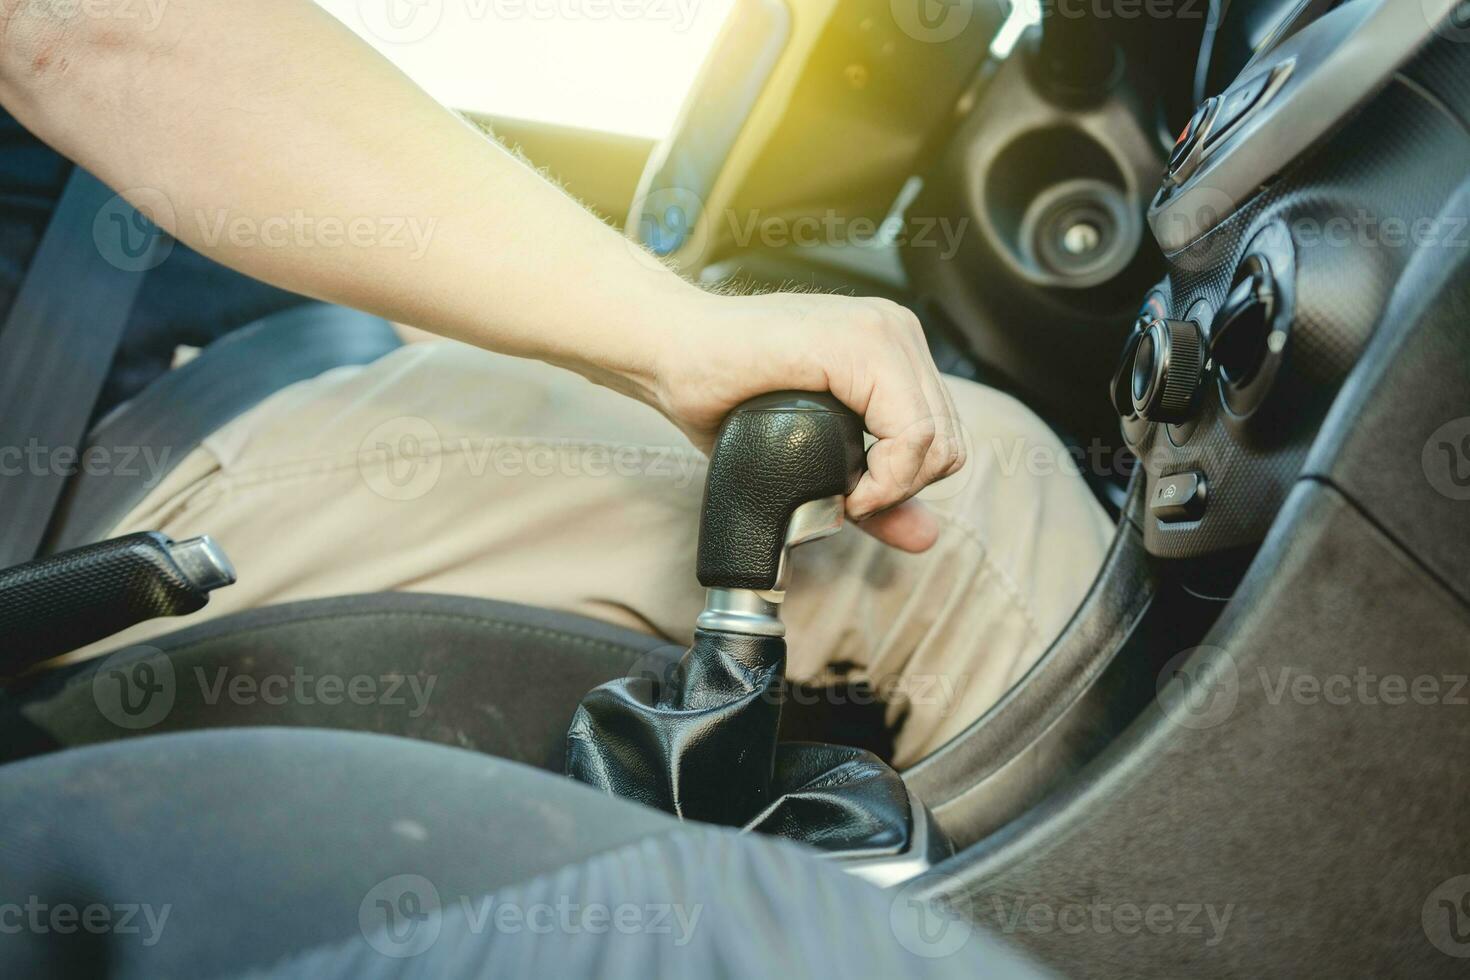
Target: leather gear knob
[[773, 454]]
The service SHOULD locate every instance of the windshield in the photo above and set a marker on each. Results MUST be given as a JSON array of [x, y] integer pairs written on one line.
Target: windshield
[[621, 66]]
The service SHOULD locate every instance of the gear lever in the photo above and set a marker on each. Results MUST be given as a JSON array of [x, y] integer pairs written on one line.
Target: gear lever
[[779, 476], [702, 743]]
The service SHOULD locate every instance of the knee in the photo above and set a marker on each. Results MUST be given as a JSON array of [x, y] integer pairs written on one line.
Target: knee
[[1006, 438]]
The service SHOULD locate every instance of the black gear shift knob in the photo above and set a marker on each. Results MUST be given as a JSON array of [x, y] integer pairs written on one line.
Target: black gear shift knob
[[775, 454]]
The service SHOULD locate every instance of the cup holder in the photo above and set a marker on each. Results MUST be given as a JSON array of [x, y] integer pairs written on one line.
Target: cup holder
[[1057, 203], [1076, 231]]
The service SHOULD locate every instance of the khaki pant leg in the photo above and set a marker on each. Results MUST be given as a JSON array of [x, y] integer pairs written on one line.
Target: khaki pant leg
[[943, 635], [442, 468]]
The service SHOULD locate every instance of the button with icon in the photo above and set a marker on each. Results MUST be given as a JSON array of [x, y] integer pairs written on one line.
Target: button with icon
[[1179, 498]]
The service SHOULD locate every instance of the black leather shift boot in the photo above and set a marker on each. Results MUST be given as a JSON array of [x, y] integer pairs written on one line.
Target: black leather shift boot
[[701, 744], [836, 798]]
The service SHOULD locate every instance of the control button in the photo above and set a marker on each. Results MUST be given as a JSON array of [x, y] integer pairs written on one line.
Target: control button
[[1154, 308], [1189, 140], [1120, 389], [1242, 330], [1168, 366], [1236, 104], [1180, 497]]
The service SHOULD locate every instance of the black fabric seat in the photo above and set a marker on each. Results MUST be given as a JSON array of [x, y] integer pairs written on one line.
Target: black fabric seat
[[494, 677], [290, 852], [229, 840]]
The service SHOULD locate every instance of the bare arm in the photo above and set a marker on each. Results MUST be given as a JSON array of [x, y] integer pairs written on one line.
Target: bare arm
[[235, 122]]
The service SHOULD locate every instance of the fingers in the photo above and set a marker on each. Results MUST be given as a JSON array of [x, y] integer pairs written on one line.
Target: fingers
[[895, 472], [870, 353], [910, 527], [910, 411]]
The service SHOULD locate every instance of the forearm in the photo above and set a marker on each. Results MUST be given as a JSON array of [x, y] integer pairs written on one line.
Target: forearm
[[268, 137], [291, 151]]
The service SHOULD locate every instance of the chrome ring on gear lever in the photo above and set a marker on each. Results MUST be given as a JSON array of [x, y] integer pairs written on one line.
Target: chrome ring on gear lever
[[758, 612]]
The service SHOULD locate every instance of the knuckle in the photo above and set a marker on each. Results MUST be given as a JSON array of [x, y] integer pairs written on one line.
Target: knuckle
[[940, 458], [946, 454], [893, 319], [904, 321], [869, 318], [922, 435], [961, 456], [911, 323], [954, 458]]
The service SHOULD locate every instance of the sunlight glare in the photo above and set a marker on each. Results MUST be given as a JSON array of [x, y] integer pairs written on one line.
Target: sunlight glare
[[620, 66]]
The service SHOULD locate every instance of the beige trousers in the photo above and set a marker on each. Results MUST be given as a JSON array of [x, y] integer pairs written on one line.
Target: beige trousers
[[442, 468]]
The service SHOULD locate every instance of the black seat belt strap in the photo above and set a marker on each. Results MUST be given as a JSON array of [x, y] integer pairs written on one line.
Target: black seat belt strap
[[57, 346]]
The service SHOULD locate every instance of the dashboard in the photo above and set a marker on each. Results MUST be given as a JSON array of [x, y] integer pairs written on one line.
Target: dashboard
[[1259, 266], [1292, 203], [805, 108], [1241, 31]]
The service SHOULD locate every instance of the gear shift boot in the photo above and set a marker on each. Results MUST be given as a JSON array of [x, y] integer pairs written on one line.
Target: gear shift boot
[[701, 743]]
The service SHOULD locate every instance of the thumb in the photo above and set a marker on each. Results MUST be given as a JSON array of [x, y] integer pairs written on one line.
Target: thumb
[[910, 527]]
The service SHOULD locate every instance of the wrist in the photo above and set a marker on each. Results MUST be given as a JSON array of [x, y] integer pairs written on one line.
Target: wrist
[[725, 350], [676, 328], [628, 344], [686, 337]]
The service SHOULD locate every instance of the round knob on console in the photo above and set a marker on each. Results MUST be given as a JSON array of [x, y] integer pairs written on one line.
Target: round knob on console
[[1120, 388], [1167, 369]]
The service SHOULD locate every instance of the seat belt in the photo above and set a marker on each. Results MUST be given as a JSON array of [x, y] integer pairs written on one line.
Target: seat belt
[[57, 347]]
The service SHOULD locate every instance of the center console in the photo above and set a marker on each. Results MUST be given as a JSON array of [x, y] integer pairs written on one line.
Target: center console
[[1291, 205], [1288, 218]]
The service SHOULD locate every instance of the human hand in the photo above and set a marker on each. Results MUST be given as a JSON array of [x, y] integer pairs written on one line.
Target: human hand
[[869, 353]]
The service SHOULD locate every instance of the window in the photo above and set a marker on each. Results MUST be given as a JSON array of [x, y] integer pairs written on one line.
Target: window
[[617, 65]]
